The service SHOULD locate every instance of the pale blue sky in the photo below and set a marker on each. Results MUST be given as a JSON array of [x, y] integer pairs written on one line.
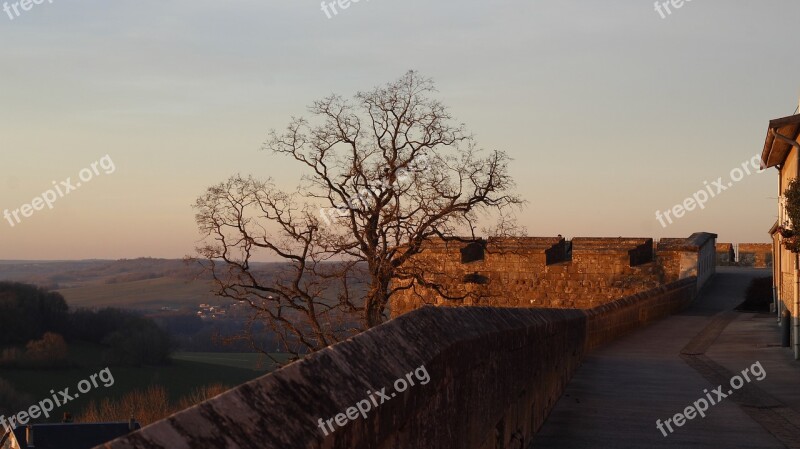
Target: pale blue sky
[[609, 111]]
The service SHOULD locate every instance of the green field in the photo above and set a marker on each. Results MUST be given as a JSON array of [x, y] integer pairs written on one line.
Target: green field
[[179, 378], [243, 360], [148, 294]]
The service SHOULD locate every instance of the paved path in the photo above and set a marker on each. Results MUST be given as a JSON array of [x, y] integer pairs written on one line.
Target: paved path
[[621, 389]]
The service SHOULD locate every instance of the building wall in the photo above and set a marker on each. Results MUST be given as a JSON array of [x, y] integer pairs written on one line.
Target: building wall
[[787, 173], [784, 283], [786, 291]]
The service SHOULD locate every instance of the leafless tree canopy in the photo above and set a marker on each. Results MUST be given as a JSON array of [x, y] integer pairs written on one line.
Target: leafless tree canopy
[[381, 174]]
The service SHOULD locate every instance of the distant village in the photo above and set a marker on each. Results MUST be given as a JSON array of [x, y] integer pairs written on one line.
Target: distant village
[[209, 312]]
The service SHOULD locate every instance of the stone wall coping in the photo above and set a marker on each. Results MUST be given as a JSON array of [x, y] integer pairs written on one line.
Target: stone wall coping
[[693, 243], [755, 247], [522, 244]]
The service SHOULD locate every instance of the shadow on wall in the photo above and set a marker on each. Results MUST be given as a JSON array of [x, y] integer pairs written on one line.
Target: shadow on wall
[[495, 374]]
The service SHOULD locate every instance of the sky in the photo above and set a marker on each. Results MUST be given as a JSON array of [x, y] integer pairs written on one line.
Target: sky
[[610, 111]]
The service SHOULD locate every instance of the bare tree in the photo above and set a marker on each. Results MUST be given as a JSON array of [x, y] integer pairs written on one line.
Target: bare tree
[[381, 174]]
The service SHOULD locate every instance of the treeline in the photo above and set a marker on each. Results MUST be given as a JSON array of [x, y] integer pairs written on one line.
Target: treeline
[[28, 314], [190, 333]]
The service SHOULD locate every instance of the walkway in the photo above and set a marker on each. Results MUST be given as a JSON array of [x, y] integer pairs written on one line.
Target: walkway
[[621, 390]]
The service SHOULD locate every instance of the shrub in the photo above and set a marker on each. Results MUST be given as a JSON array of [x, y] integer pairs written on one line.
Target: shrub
[[51, 350], [10, 357], [147, 406], [199, 395], [792, 194]]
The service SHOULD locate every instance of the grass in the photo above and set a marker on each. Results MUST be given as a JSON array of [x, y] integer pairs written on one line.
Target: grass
[[243, 360], [179, 378], [148, 294]]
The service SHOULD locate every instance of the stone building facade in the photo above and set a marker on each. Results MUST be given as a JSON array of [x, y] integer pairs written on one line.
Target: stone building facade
[[782, 151]]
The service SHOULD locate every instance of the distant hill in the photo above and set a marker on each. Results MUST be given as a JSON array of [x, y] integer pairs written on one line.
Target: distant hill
[[61, 274], [144, 284], [145, 295]]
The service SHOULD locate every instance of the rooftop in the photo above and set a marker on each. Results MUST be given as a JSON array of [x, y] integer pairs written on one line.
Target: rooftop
[[71, 435]]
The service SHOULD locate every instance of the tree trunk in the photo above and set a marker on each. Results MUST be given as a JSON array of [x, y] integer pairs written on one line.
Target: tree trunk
[[376, 301]]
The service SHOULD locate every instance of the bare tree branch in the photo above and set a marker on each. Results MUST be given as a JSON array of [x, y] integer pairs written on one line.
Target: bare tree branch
[[381, 176]]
